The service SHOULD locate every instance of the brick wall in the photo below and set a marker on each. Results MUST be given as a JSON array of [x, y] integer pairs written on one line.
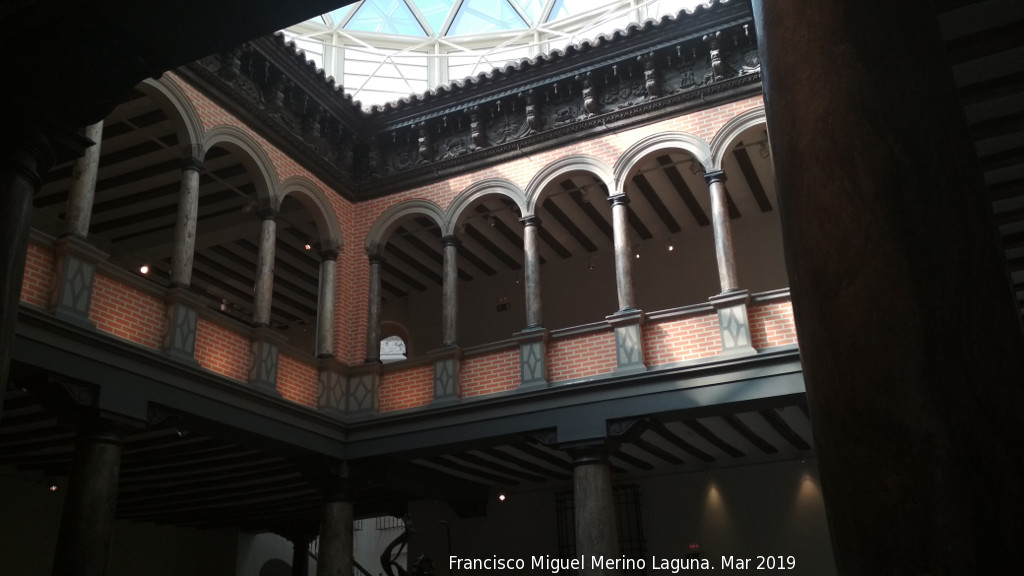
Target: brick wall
[[490, 373], [581, 356], [297, 380], [126, 312], [37, 284], [771, 324], [222, 351], [680, 340], [408, 388]]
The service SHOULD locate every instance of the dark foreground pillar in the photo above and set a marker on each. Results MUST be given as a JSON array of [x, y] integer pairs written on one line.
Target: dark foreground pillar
[[300, 555], [335, 556], [23, 161], [83, 544], [594, 505], [911, 344]]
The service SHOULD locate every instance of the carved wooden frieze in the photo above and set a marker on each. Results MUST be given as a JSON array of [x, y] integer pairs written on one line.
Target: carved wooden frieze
[[636, 76], [634, 85]]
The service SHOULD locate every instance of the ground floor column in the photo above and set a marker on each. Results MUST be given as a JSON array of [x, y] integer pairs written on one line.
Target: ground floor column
[[910, 337], [594, 505], [300, 555], [335, 556], [83, 544], [23, 161]]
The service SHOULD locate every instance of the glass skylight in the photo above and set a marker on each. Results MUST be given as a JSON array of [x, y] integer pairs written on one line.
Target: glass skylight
[[383, 50]]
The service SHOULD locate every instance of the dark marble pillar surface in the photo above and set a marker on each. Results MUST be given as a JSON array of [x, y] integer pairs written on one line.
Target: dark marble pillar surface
[[909, 335]]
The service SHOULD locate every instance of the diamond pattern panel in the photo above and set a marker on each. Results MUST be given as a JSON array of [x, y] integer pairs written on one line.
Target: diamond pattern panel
[[734, 326], [75, 289], [264, 367], [331, 396], [628, 348], [532, 368], [446, 379]]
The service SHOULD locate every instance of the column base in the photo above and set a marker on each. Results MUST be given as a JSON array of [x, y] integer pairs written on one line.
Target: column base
[[447, 385], [733, 324], [264, 360], [533, 372], [629, 342], [76, 275]]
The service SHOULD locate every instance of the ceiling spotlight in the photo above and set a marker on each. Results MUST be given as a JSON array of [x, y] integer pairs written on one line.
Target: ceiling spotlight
[[309, 247], [637, 255], [501, 497], [144, 269], [53, 487]]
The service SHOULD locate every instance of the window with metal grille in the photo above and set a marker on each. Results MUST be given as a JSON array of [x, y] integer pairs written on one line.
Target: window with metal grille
[[628, 520]]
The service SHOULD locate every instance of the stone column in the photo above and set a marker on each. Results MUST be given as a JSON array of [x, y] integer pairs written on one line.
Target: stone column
[[185, 225], [182, 309], [450, 298], [23, 161], [910, 339], [83, 543], [300, 555], [325, 304], [335, 556], [623, 256], [594, 505], [531, 266], [265, 269], [373, 322], [731, 303], [263, 366], [75, 257], [723, 231], [83, 185]]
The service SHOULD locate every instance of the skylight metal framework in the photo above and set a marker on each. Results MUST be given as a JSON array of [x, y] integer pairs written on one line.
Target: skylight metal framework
[[383, 50]]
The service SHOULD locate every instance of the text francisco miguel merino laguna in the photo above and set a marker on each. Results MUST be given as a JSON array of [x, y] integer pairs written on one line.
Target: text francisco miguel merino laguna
[[674, 565]]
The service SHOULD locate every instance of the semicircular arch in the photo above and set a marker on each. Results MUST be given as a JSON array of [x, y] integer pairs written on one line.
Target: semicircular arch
[[730, 130], [689, 143], [478, 190], [187, 125], [312, 198], [386, 223], [252, 156], [565, 165]]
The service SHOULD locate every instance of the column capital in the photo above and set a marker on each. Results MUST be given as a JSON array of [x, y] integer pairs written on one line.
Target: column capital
[[31, 155], [714, 176], [618, 199], [530, 220], [589, 451], [451, 240], [192, 163], [329, 254], [268, 214], [375, 258]]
